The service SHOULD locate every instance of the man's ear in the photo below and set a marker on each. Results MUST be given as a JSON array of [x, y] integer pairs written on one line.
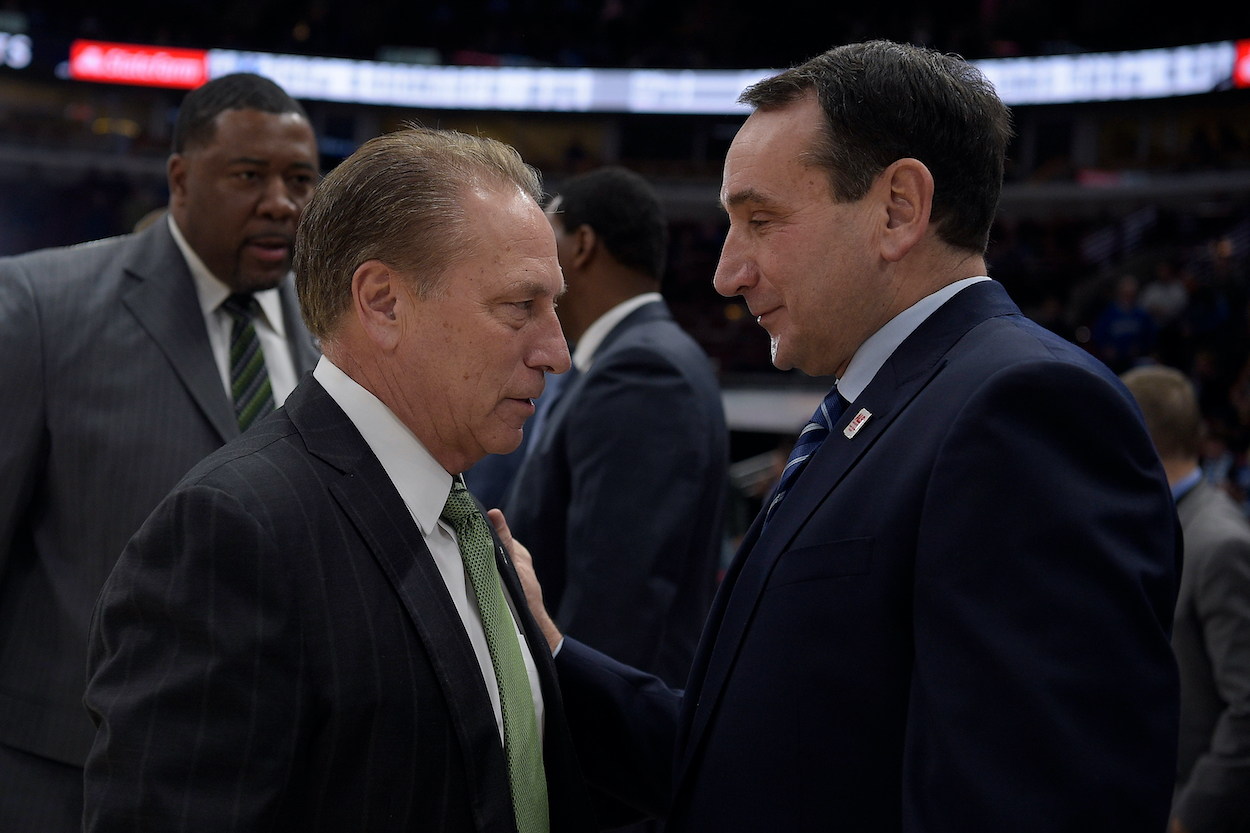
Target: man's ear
[[585, 245], [908, 193], [376, 290], [176, 172]]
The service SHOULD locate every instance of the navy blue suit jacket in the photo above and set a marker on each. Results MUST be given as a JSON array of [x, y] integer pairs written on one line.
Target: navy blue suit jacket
[[621, 497], [957, 619]]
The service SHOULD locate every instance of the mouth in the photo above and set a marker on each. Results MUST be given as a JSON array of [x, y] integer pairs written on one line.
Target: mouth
[[760, 316], [270, 248]]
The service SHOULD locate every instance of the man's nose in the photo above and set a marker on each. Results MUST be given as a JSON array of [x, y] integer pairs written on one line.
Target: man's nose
[[551, 354], [735, 272], [276, 202]]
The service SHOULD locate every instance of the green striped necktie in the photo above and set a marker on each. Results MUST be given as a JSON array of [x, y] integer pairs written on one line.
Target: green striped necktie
[[521, 740], [249, 379]]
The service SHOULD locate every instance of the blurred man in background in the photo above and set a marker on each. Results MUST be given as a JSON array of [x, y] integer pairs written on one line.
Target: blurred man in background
[[622, 491], [125, 362], [1211, 635]]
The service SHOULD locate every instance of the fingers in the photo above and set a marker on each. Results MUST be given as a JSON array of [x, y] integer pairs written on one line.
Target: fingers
[[500, 523], [529, 582]]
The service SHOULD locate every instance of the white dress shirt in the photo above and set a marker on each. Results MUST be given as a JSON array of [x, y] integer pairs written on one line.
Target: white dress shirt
[[424, 486], [878, 347], [270, 328]]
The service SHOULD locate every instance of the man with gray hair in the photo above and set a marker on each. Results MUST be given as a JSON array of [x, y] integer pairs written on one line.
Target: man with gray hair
[[1211, 633], [317, 630]]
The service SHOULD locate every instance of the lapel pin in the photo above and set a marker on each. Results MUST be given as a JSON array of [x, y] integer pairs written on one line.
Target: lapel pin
[[852, 427]]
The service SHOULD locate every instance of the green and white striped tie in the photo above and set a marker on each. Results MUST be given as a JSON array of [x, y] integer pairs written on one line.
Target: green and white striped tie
[[249, 379], [522, 742]]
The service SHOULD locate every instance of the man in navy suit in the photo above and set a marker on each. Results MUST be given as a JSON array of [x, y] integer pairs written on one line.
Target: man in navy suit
[[640, 423], [954, 613]]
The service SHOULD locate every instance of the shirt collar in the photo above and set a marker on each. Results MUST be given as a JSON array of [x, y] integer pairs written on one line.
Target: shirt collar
[[877, 349], [1186, 484], [588, 344], [211, 291], [422, 483]]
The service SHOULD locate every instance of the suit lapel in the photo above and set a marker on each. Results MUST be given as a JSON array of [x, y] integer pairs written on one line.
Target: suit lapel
[[916, 362], [161, 296], [366, 496]]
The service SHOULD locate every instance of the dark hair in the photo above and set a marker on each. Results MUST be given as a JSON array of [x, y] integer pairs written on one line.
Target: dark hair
[[1167, 401], [886, 101], [397, 199], [241, 91], [624, 211]]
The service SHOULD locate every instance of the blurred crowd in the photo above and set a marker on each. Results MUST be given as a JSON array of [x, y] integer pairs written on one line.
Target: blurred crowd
[[1179, 299], [624, 33]]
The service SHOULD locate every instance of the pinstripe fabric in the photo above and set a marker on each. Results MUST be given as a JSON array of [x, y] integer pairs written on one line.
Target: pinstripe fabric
[[276, 650], [38, 795], [111, 395]]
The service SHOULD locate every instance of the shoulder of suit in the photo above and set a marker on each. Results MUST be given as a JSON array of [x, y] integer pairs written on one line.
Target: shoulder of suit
[[82, 261], [1208, 510], [263, 449]]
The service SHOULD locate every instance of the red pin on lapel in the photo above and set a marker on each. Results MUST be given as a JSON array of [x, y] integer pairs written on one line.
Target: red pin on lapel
[[852, 427]]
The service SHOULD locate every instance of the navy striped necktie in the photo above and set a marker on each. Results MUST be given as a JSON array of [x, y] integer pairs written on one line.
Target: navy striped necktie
[[810, 438], [249, 378]]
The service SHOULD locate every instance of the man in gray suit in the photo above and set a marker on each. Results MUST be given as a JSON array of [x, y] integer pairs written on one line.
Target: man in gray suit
[[124, 362], [1211, 633], [639, 424]]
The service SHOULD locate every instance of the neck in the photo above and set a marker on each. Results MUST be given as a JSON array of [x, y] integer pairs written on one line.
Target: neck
[[1178, 468], [379, 379], [580, 308]]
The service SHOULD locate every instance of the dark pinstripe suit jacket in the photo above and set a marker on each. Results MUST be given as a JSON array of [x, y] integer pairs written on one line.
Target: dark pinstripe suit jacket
[[276, 649], [108, 395]]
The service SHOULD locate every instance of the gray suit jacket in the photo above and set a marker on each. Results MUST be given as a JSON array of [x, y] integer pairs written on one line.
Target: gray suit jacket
[[621, 496], [110, 395], [1211, 638]]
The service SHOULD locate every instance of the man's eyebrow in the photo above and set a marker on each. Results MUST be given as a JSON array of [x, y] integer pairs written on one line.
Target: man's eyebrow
[[536, 288], [264, 163], [746, 195]]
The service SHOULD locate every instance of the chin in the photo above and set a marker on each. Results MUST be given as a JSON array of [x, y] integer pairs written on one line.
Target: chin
[[259, 281], [505, 443]]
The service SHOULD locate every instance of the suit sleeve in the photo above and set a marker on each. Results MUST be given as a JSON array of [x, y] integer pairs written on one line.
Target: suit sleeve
[[624, 726], [640, 465], [1044, 693], [22, 416], [1218, 791], [193, 673]]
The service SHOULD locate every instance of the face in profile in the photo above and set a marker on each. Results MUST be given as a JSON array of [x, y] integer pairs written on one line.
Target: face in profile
[[238, 197], [475, 349], [800, 259]]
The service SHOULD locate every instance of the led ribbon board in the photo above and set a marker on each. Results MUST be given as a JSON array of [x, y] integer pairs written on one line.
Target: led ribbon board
[[1054, 79]]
